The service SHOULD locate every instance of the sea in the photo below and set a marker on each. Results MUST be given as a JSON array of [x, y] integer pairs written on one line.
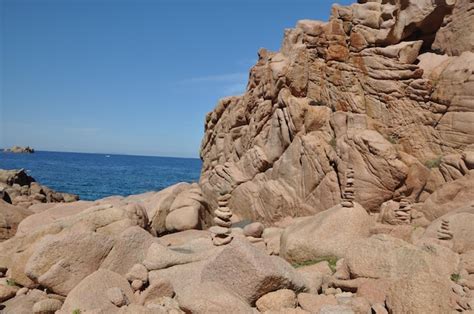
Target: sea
[[95, 176]]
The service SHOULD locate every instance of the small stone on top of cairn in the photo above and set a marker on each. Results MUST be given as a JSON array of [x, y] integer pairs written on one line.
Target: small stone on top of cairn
[[444, 231], [403, 213], [348, 194], [221, 232]]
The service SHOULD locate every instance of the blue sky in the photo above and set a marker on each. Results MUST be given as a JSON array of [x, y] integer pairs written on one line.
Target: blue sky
[[132, 77]]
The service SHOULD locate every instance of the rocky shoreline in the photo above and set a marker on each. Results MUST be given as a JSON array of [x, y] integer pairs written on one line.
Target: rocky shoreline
[[21, 196], [342, 181]]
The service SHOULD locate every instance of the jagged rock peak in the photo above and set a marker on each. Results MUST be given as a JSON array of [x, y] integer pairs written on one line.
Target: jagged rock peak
[[369, 88]]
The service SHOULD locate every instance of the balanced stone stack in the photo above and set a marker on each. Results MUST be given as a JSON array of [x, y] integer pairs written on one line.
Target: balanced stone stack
[[403, 213], [348, 195], [138, 277], [444, 231], [221, 233]]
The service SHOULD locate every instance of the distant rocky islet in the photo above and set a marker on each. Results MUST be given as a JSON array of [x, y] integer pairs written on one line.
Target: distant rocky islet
[[19, 150], [351, 155]]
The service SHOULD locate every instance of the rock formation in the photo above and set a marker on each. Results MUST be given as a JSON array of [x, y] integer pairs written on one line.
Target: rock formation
[[367, 88], [379, 100], [19, 192], [18, 188], [221, 233], [20, 150]]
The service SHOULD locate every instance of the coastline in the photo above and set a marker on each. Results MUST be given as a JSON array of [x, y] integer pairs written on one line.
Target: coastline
[[340, 182]]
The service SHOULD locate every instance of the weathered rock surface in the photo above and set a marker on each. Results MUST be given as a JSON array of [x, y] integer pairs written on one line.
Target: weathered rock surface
[[91, 293], [130, 248], [454, 36], [10, 218], [314, 303], [18, 188], [382, 91], [254, 275], [322, 235], [347, 92], [23, 303], [450, 196], [61, 261], [414, 274], [277, 300], [177, 208], [50, 243], [461, 222], [47, 306], [210, 297]]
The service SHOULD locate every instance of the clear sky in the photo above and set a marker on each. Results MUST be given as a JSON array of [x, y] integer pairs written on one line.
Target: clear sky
[[132, 77]]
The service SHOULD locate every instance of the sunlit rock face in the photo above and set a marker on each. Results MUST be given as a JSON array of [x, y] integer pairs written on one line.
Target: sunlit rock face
[[369, 89]]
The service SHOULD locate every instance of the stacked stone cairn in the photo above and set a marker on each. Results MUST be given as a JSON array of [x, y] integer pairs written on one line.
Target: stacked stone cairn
[[348, 194], [221, 232], [403, 213], [444, 231], [138, 278]]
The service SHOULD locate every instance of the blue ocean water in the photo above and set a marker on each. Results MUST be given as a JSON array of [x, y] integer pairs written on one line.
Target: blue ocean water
[[94, 176]]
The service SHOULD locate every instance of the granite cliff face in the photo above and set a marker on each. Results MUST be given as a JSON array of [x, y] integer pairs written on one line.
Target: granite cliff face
[[385, 87], [363, 124]]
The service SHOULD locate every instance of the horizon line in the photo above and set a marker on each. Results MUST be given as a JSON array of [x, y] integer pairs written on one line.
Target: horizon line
[[96, 153]]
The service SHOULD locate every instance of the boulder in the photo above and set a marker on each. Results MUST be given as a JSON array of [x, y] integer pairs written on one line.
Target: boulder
[[10, 218], [314, 303], [212, 297], [137, 272], [374, 290], [130, 248], [461, 222], [183, 237], [18, 188], [116, 296], [159, 256], [254, 275], [467, 261], [413, 272], [61, 261], [7, 292], [277, 300], [22, 303], [254, 229], [91, 293], [185, 210], [271, 237], [336, 309], [51, 214], [450, 196], [161, 305], [182, 219], [157, 290], [180, 276], [47, 306], [15, 176], [418, 293], [385, 257], [158, 206], [321, 235]]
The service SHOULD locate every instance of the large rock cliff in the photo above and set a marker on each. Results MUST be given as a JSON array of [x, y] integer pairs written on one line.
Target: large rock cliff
[[364, 124], [384, 87]]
